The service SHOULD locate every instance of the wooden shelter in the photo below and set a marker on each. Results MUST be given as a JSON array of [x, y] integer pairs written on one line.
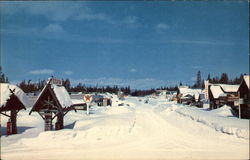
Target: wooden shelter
[[13, 99], [244, 95], [53, 102]]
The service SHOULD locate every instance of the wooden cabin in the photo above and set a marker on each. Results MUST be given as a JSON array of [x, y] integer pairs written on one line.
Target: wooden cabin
[[186, 95], [13, 99], [54, 102], [222, 94], [244, 95]]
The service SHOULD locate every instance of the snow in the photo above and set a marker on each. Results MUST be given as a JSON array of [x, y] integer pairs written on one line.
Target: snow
[[247, 80], [216, 91], [137, 130], [62, 95], [224, 111], [229, 88], [184, 90], [5, 94], [220, 119], [77, 101]]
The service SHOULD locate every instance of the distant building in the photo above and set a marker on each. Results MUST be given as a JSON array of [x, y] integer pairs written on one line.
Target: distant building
[[186, 95], [120, 95]]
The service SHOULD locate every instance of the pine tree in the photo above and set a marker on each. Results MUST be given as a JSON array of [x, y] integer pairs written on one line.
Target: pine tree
[[198, 83], [224, 78], [3, 79], [209, 77]]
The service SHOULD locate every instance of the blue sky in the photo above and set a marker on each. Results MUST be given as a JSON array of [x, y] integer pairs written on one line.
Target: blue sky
[[141, 44]]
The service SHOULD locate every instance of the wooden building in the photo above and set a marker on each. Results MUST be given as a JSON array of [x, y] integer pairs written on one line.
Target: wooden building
[[186, 95], [222, 94], [244, 95], [54, 102], [13, 99]]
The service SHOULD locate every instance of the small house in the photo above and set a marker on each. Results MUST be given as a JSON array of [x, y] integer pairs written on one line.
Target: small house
[[13, 99]]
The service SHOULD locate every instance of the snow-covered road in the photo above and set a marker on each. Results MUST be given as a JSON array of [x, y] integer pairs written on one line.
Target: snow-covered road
[[133, 131]]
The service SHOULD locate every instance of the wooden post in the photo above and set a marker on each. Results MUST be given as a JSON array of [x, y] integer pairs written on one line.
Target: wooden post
[[87, 108], [13, 115], [59, 122], [48, 122], [239, 107]]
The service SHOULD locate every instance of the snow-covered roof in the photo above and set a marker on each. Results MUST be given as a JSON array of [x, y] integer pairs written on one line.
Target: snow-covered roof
[[188, 91], [216, 91], [62, 95], [77, 101], [6, 93], [246, 79], [229, 88]]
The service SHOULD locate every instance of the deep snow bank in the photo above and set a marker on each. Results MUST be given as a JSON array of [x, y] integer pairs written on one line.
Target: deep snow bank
[[221, 119]]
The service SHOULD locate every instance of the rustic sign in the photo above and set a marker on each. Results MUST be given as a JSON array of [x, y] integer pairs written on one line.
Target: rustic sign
[[55, 81], [79, 107], [239, 102]]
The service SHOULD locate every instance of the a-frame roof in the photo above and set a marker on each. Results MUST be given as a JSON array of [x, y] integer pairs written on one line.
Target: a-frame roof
[[12, 97], [57, 95]]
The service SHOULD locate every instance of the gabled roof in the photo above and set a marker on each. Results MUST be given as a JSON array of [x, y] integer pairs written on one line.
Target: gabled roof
[[216, 91], [247, 80], [62, 95], [229, 88], [9, 90], [6, 93], [58, 93], [220, 90]]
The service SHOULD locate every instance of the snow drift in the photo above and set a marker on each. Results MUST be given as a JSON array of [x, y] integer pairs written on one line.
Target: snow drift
[[221, 119]]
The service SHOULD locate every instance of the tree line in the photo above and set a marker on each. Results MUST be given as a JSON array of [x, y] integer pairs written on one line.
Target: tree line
[[223, 79], [34, 87]]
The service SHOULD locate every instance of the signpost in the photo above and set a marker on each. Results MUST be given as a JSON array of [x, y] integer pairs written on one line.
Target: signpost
[[238, 103], [87, 99]]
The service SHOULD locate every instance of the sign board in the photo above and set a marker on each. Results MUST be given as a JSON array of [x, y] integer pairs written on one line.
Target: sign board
[[47, 114], [236, 103], [79, 107], [87, 98], [241, 101], [55, 81]]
